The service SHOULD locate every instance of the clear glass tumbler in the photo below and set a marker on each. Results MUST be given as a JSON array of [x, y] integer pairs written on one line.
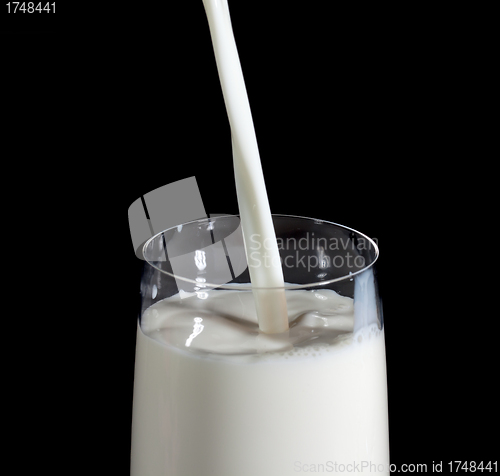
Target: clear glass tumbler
[[214, 396]]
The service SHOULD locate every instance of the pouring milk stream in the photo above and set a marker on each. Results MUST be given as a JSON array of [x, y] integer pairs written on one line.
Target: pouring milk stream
[[255, 213]]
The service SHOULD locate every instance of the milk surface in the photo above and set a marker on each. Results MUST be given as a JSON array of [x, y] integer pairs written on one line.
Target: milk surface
[[215, 397]]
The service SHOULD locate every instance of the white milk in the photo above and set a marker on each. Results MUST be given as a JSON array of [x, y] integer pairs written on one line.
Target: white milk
[[219, 392], [253, 204], [214, 397]]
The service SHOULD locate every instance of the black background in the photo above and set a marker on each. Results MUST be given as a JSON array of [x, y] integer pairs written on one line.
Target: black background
[[362, 118]]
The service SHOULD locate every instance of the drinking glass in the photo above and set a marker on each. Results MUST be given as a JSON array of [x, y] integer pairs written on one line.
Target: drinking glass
[[254, 404]]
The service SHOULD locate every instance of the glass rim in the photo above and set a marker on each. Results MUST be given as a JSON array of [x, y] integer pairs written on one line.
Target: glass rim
[[242, 287]]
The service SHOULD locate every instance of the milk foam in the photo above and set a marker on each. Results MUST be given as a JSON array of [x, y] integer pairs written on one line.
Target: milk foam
[[224, 323]]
